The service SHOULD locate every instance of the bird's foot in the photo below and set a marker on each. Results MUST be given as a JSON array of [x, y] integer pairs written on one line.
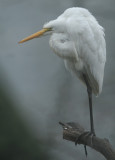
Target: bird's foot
[[85, 134]]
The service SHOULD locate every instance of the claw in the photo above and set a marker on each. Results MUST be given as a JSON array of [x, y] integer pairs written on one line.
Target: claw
[[85, 134], [85, 150], [80, 137]]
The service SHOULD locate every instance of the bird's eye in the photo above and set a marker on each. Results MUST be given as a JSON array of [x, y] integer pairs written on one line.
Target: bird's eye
[[50, 29]]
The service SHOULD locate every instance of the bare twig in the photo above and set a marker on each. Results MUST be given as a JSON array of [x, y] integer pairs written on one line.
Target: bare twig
[[71, 131]]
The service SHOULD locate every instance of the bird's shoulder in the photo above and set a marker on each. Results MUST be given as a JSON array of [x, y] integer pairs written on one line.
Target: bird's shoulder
[[88, 37]]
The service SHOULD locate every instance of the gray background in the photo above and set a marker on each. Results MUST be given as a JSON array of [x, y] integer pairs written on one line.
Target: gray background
[[36, 81]]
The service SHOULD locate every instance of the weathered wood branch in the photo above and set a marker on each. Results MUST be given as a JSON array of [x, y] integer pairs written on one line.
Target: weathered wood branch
[[71, 131]]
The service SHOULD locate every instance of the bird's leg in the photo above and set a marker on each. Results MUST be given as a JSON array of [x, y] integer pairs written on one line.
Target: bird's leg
[[89, 91], [92, 131]]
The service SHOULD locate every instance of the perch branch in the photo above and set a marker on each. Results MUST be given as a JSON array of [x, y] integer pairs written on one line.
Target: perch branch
[[71, 131]]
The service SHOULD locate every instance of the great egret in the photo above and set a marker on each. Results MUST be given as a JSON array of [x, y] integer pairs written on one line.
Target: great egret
[[77, 37]]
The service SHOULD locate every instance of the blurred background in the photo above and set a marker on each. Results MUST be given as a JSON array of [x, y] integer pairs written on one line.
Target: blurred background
[[36, 91]]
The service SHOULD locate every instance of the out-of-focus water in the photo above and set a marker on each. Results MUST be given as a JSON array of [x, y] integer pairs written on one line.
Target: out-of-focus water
[[37, 81]]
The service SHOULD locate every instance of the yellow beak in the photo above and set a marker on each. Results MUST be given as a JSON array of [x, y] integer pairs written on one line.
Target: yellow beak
[[35, 35]]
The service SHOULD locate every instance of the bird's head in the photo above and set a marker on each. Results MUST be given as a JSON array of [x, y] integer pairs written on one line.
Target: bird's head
[[59, 25], [54, 26]]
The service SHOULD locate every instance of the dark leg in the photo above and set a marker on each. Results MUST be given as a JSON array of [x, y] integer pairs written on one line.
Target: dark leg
[[91, 112], [92, 132], [89, 91]]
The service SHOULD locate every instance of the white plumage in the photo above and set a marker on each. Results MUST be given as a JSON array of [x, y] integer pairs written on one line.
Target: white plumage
[[78, 38]]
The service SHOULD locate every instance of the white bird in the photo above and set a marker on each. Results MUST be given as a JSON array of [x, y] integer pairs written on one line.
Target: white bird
[[78, 39]]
